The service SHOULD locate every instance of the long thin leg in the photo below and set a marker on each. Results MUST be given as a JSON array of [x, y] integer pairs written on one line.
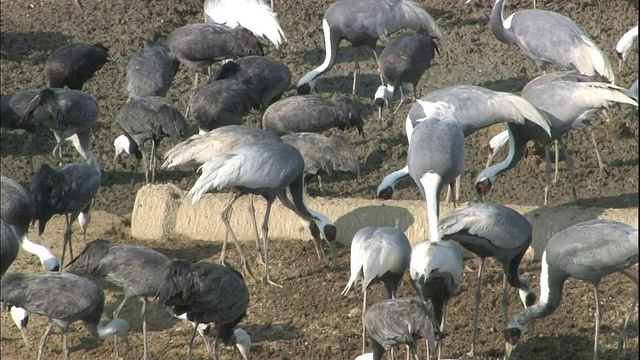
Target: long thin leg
[[225, 218], [265, 243], [556, 160], [115, 315], [152, 161], [623, 329], [254, 222], [43, 340], [193, 335], [356, 69], [402, 99], [223, 251], [193, 92], [572, 170], [364, 307], [472, 353], [598, 318], [145, 164], [375, 55], [505, 299], [457, 191], [442, 323], [547, 172], [144, 327], [595, 147], [66, 241], [65, 345]]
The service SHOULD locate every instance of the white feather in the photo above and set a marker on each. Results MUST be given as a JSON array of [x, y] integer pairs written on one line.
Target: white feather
[[623, 47], [432, 258], [544, 279], [499, 141], [19, 315], [121, 144], [594, 61], [391, 179], [528, 111]]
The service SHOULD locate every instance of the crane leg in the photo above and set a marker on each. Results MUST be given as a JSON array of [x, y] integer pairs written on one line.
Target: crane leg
[[65, 346], [402, 98], [115, 315], [601, 167], [356, 70], [623, 329], [364, 307], [505, 300], [571, 168], [144, 328], [442, 323], [152, 161], [598, 319], [223, 251], [193, 91], [547, 172], [557, 160], [265, 244], [67, 240], [145, 164], [226, 213], [472, 353], [254, 222], [193, 335], [43, 340], [375, 55]]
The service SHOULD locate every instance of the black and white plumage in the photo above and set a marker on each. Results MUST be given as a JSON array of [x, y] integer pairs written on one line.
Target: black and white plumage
[[18, 207], [151, 119], [398, 321], [311, 113], [222, 102], [587, 251], [268, 168], [362, 23], [74, 64], [125, 144], [324, 155], [549, 38], [64, 298], [269, 78], [625, 44], [67, 190], [208, 293], [378, 254], [150, 71], [404, 60], [492, 230]]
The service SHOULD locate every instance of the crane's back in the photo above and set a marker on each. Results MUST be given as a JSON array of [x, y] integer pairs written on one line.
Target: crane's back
[[18, 205]]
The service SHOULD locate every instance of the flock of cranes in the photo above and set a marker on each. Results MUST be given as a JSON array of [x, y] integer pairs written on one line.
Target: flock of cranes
[[274, 162]]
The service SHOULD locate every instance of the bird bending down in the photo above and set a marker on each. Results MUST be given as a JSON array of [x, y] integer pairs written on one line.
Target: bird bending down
[[362, 23], [64, 298], [378, 254], [150, 71], [74, 64], [587, 251], [624, 45], [492, 230]]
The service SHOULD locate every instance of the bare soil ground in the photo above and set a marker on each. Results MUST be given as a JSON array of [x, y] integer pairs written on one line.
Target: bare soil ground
[[309, 318]]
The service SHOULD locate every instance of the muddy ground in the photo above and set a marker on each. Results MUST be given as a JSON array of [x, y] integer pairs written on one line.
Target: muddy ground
[[309, 319]]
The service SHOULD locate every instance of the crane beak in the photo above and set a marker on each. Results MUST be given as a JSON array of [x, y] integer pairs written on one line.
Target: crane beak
[[508, 348]]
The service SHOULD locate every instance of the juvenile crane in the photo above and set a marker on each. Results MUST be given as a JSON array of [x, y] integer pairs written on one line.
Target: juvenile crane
[[74, 64], [150, 71]]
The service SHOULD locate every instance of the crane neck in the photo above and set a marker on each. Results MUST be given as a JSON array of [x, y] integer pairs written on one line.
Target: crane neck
[[331, 42], [40, 251], [431, 184], [517, 147], [391, 179], [500, 27]]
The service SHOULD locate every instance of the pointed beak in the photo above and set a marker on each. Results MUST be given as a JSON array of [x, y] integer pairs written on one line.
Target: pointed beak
[[508, 348]]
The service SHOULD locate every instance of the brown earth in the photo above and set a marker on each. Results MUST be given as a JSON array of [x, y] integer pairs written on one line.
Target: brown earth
[[309, 318]]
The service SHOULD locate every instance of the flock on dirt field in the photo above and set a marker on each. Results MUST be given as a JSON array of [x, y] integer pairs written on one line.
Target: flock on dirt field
[[276, 161]]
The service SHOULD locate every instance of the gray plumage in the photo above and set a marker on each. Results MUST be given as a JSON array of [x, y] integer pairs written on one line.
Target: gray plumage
[[311, 113], [570, 75], [64, 298], [549, 38], [151, 119], [74, 64], [150, 71], [587, 251], [18, 208], [492, 230], [67, 190], [362, 23], [269, 78], [13, 106], [9, 246], [222, 102], [400, 321]]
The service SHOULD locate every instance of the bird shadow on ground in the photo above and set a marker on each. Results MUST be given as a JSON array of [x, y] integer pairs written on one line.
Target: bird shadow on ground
[[513, 84], [158, 318], [271, 332], [201, 250], [17, 46], [567, 346], [382, 215], [622, 201], [14, 142]]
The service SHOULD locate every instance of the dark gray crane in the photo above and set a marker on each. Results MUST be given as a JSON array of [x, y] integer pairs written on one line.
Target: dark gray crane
[[208, 293], [311, 113], [9, 246], [269, 78], [222, 102], [18, 207], [587, 251], [72, 65], [362, 23], [150, 71], [67, 190], [378, 254], [12, 107], [492, 230], [404, 60], [64, 298], [151, 119]]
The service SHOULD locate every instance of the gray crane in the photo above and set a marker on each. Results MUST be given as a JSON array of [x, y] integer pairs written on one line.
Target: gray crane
[[362, 23], [587, 251], [476, 107], [492, 230], [378, 254], [150, 71], [435, 270], [64, 298], [270, 78], [12, 107], [324, 155], [404, 60], [268, 168], [568, 105], [549, 38], [311, 113], [151, 119], [625, 44], [207, 293], [9, 246], [18, 207], [67, 190], [222, 102], [400, 321], [72, 65]]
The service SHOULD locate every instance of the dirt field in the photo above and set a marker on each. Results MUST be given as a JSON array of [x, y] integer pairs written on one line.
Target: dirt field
[[309, 318]]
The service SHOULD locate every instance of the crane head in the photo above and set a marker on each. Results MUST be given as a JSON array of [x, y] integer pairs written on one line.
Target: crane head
[[20, 317], [511, 337], [304, 89], [483, 186], [386, 193]]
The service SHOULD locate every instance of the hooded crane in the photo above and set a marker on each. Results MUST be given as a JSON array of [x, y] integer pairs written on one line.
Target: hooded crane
[[404, 60], [398, 321], [568, 105], [268, 168], [549, 38], [311, 113], [150, 71], [74, 64], [492, 230], [625, 44], [475, 108], [208, 293], [587, 251], [69, 189], [12, 107], [362, 23], [151, 118], [378, 254], [64, 298], [324, 155], [269, 78]]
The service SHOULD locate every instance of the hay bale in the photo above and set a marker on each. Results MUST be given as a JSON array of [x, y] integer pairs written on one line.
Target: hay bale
[[154, 211]]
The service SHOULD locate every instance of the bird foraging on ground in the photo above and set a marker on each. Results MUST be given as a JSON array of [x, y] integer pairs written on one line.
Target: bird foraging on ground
[[74, 64], [150, 71], [624, 45]]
